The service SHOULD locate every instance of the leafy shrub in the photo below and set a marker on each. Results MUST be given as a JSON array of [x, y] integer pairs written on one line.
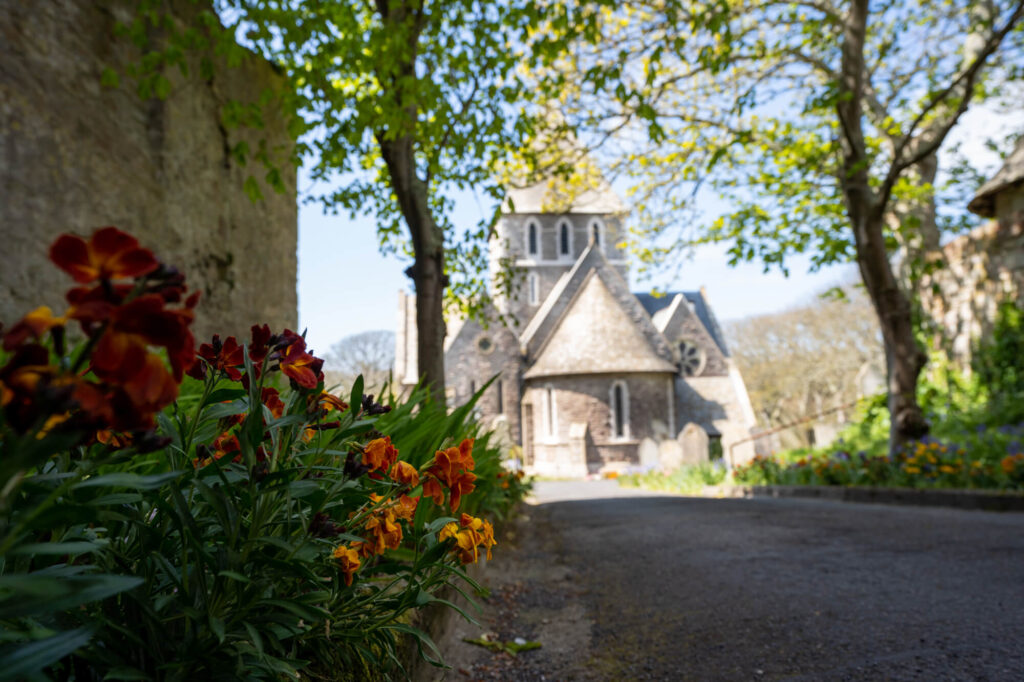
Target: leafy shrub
[[239, 522]]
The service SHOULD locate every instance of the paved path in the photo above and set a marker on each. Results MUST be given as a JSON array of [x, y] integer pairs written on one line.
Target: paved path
[[619, 585]]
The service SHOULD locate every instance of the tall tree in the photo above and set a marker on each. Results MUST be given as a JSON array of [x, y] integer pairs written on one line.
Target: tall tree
[[406, 102], [806, 359], [817, 121], [370, 354]]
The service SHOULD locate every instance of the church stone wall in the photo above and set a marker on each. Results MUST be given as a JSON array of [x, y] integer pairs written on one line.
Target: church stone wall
[[75, 156], [467, 366], [981, 270], [586, 399], [713, 403]]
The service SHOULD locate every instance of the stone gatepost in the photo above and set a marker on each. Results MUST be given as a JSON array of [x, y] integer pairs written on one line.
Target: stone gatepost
[[576, 462]]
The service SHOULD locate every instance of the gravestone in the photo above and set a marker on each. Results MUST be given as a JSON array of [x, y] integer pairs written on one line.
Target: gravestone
[[694, 441], [648, 454], [670, 455]]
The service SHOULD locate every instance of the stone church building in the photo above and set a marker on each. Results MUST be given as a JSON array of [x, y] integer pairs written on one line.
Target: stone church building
[[593, 378]]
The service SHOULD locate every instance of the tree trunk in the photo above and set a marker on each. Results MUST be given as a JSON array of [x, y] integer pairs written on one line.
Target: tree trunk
[[397, 147], [866, 210], [427, 271]]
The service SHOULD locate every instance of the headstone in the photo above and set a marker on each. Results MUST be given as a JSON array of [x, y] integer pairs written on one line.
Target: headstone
[[648, 454], [670, 455], [694, 440]]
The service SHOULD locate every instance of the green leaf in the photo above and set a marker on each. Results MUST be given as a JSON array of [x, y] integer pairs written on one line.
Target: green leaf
[[235, 576], [217, 625], [41, 592], [21, 660], [224, 394], [110, 79], [126, 480], [58, 548], [126, 673]]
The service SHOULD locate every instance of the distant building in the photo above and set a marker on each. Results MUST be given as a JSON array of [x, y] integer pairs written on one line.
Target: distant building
[[594, 377], [985, 267]]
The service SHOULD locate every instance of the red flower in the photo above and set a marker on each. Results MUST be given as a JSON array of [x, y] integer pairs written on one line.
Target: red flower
[[272, 399], [299, 365], [224, 357], [132, 328], [109, 254], [259, 348]]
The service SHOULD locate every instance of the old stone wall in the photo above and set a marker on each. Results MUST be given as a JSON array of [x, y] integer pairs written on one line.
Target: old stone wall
[[716, 405], [75, 155], [587, 400], [981, 269], [476, 355], [549, 264]]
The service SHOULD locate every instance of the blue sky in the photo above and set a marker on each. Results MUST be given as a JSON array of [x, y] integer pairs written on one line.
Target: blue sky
[[347, 287]]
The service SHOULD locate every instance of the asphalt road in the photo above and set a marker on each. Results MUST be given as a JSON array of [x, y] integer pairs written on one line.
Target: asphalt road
[[623, 586]]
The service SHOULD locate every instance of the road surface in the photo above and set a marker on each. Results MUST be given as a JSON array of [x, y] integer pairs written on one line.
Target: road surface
[[625, 585]]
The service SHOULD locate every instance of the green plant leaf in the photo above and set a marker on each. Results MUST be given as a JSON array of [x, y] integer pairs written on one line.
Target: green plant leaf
[[21, 660], [127, 480]]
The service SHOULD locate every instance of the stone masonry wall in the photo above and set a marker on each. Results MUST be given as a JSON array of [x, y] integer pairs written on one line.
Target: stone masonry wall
[[981, 270], [468, 368], [550, 265], [586, 399], [75, 155]]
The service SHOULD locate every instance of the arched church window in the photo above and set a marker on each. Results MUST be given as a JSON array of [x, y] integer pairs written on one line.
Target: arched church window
[[619, 399], [532, 238], [596, 232], [564, 237], [691, 358], [501, 397], [532, 286], [550, 412]]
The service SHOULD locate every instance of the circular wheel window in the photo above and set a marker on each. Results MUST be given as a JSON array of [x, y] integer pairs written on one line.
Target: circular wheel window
[[691, 358], [484, 344]]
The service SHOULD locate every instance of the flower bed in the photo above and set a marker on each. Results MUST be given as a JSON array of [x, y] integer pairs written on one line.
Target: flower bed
[[993, 459], [178, 513]]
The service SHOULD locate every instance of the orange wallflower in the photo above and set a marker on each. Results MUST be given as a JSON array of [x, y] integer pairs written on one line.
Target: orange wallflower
[[332, 402], [405, 473], [453, 467], [272, 399], [299, 365], [469, 537], [349, 559], [380, 454], [109, 254], [432, 489], [382, 526], [406, 507], [35, 324]]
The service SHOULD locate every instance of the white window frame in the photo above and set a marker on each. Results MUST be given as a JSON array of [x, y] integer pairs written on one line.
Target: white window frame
[[526, 239], [602, 236], [550, 414], [532, 288], [625, 410], [567, 225]]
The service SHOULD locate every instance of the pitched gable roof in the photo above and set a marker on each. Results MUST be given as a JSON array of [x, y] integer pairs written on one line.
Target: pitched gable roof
[[591, 323], [658, 308], [1012, 173]]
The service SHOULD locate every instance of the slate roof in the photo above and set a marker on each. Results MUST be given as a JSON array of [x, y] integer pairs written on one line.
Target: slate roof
[[1012, 173], [653, 304]]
